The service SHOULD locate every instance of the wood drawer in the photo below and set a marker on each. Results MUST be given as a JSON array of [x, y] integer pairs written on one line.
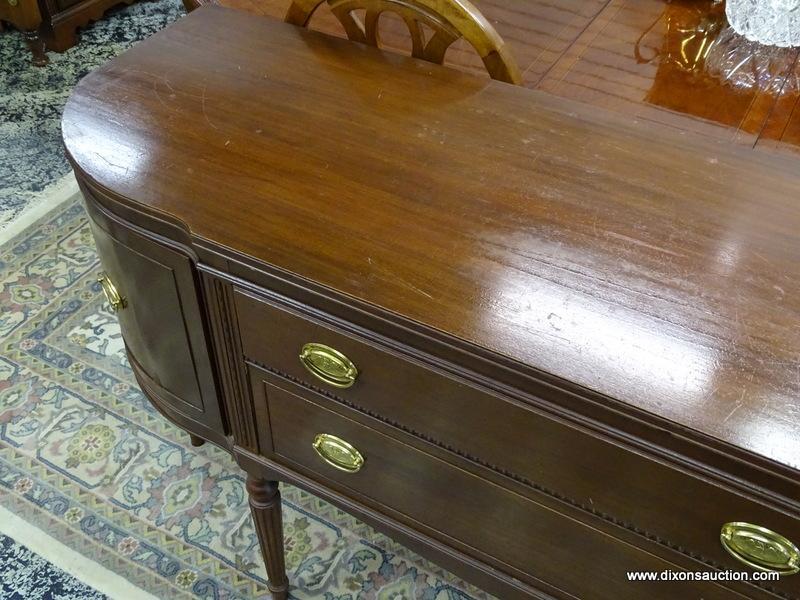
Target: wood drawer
[[489, 521], [619, 483]]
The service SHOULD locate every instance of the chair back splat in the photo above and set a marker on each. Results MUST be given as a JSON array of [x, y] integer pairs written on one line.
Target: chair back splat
[[433, 24]]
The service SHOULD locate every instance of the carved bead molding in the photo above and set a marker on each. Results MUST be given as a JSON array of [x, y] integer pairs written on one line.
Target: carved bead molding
[[518, 478]]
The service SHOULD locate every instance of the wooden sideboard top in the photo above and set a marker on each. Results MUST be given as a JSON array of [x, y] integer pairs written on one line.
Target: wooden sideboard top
[[675, 62], [656, 270]]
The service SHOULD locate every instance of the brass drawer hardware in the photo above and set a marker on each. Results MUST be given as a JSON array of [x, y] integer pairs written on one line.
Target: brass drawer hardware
[[760, 548], [115, 300], [338, 453], [329, 365], [13, 2]]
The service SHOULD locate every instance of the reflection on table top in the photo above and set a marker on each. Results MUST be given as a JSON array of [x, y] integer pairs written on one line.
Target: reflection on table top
[[665, 276], [676, 63]]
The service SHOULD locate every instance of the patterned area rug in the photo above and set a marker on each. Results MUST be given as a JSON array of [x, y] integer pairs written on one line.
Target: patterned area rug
[[84, 457], [32, 98]]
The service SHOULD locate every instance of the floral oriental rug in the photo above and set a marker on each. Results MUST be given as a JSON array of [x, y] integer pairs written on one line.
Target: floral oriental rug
[[85, 458]]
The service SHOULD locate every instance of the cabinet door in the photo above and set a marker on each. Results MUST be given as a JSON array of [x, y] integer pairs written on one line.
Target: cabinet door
[[161, 322]]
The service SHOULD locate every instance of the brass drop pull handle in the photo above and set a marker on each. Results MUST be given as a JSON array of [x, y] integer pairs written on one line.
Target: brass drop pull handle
[[115, 300], [328, 365], [338, 453], [760, 548]]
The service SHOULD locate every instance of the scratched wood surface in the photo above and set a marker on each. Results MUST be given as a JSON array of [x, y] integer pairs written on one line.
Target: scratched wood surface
[[647, 59], [658, 269], [431, 29], [538, 32]]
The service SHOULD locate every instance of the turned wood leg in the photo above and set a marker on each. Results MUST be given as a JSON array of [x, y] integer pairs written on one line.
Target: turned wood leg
[[195, 440], [62, 37], [36, 45], [265, 505]]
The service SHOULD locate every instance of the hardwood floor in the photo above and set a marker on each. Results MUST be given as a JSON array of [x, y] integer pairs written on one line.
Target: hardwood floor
[[671, 62], [679, 64]]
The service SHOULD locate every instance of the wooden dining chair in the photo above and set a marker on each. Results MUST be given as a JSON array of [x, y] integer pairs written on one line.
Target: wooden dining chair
[[433, 24]]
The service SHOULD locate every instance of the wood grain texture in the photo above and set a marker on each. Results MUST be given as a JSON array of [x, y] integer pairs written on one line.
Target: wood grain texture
[[536, 32], [563, 460], [658, 272], [161, 320], [646, 59], [431, 493]]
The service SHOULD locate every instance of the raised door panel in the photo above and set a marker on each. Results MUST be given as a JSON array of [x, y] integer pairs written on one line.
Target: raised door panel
[[161, 322]]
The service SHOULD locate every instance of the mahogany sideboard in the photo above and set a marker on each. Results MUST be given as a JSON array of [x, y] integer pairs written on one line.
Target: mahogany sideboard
[[539, 344], [52, 24]]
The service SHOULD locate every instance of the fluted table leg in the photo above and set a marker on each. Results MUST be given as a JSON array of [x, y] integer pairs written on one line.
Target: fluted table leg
[[265, 505]]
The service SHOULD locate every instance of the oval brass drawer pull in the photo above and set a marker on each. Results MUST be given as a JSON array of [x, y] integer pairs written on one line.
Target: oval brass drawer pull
[[115, 300], [760, 548], [328, 365], [338, 453]]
